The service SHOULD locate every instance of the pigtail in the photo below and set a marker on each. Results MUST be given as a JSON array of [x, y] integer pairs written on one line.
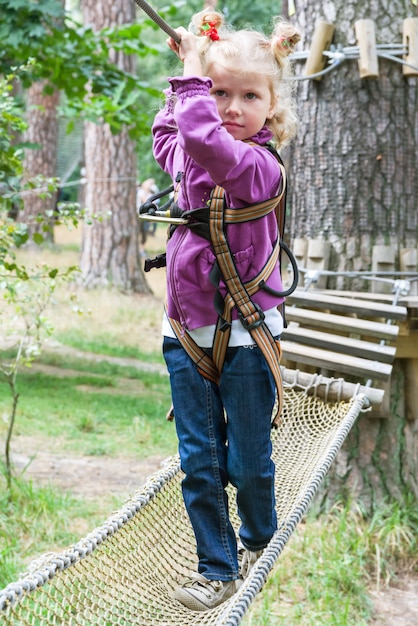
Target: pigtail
[[283, 41], [284, 120]]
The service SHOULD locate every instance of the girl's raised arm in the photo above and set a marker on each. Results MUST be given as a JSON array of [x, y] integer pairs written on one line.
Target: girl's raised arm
[[187, 52]]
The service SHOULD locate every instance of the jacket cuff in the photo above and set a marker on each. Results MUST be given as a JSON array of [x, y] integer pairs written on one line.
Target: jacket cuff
[[189, 86]]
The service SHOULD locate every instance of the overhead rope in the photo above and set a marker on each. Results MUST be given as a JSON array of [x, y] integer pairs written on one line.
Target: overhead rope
[[158, 20], [313, 276], [80, 181]]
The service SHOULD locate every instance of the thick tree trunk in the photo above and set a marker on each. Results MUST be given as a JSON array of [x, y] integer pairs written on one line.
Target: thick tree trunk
[[353, 182], [110, 246], [42, 159], [354, 163], [379, 459]]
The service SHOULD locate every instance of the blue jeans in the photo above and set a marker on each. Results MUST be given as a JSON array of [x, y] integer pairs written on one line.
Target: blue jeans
[[214, 451]]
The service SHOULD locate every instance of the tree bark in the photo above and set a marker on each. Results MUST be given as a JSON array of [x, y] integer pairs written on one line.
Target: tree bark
[[353, 166], [110, 245], [353, 182], [42, 131], [378, 461]]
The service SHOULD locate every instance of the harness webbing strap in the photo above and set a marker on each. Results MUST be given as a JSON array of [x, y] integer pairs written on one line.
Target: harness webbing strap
[[251, 316], [199, 218], [204, 363], [252, 212], [223, 329], [238, 293]]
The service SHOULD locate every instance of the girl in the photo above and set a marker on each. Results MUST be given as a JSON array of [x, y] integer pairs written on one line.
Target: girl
[[230, 102]]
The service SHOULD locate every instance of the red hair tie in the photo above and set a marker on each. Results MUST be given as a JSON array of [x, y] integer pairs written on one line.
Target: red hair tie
[[209, 30]]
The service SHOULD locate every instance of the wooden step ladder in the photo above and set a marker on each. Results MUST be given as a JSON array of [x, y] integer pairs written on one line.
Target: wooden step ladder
[[341, 335]]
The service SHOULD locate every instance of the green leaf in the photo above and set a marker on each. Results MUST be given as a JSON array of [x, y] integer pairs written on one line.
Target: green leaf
[[38, 238]]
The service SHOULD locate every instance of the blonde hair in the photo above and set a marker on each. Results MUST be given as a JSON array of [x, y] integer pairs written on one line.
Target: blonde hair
[[254, 52]]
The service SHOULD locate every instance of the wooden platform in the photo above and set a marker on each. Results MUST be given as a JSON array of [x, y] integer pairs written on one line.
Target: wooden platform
[[342, 335]]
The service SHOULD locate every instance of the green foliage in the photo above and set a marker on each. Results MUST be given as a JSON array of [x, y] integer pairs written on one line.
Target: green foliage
[[238, 13], [11, 124], [249, 14], [23, 27], [75, 59]]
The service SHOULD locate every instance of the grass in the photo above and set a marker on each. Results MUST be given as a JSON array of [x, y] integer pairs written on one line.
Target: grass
[[35, 520], [76, 407], [108, 406], [330, 564], [89, 414], [107, 345]]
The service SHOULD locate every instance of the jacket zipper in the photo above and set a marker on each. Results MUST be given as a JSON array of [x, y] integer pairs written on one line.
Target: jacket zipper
[[176, 250]]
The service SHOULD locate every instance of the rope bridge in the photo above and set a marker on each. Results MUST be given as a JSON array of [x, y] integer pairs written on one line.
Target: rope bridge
[[124, 572]]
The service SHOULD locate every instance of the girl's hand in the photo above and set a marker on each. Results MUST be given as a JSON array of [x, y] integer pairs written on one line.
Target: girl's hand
[[187, 52]]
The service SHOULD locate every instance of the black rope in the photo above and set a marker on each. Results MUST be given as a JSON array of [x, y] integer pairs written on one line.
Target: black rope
[[158, 20]]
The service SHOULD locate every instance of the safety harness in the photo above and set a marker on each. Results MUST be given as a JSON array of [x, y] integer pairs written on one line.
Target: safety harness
[[211, 223]]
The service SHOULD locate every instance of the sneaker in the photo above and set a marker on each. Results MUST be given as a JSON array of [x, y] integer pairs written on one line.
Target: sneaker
[[246, 560], [201, 594]]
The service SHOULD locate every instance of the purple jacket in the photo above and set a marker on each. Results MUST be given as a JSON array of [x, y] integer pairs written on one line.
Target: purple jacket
[[189, 138]]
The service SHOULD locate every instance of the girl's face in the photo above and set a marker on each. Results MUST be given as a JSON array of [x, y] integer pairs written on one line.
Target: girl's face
[[244, 100]]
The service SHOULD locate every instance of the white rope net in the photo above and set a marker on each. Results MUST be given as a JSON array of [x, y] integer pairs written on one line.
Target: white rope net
[[124, 572]]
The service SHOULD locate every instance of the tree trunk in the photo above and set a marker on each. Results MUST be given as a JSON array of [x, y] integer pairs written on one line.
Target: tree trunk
[[379, 459], [110, 245], [354, 162], [353, 182], [42, 131]]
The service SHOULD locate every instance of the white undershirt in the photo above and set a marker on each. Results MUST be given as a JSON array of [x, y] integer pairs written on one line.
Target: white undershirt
[[239, 335]]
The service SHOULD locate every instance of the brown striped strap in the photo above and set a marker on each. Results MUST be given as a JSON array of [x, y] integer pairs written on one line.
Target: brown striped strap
[[204, 363], [255, 211], [250, 314]]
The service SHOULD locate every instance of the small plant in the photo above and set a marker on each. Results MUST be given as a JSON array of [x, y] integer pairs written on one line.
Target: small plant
[[25, 292], [86, 424], [24, 328]]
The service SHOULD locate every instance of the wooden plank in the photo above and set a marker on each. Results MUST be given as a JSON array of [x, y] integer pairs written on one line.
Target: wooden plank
[[335, 362], [409, 302], [339, 343], [352, 325], [365, 308]]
